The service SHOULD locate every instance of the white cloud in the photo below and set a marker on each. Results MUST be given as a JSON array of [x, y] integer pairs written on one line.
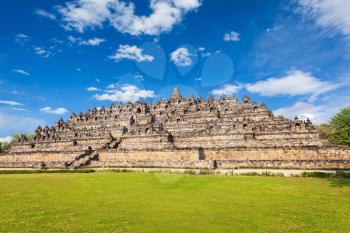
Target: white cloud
[[6, 139], [73, 39], [113, 86], [83, 14], [58, 111], [206, 54], [21, 38], [56, 41], [89, 42], [20, 109], [303, 111], [125, 93], [227, 90], [181, 57], [10, 124], [45, 14], [93, 89], [203, 53], [42, 52], [332, 15], [139, 77], [231, 36], [295, 83], [319, 112], [19, 71], [93, 41], [131, 53], [10, 102]]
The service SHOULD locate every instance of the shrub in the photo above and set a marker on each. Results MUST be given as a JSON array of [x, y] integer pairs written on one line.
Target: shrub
[[46, 171], [205, 172], [316, 174], [337, 174], [190, 172]]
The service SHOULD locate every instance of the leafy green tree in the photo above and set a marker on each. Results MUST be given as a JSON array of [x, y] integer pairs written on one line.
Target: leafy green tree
[[5, 146], [19, 135], [326, 131], [340, 124]]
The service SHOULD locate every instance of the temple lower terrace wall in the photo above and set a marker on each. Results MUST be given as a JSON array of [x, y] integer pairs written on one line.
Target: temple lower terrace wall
[[34, 160], [178, 133], [325, 158]]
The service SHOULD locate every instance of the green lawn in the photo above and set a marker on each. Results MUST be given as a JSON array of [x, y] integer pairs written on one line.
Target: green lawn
[[140, 202]]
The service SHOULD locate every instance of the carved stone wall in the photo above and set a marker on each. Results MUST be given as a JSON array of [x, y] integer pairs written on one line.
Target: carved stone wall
[[178, 132]]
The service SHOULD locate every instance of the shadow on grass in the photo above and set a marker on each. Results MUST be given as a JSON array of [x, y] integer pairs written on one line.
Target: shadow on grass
[[339, 182], [338, 179]]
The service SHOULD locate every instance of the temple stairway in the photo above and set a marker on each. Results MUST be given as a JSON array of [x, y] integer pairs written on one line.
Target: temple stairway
[[83, 159]]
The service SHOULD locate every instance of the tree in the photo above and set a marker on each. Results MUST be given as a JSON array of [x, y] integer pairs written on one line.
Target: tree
[[5, 146], [19, 135], [325, 130], [340, 124]]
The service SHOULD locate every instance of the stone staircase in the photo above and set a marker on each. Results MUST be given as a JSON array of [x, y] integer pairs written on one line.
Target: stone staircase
[[82, 159], [85, 158]]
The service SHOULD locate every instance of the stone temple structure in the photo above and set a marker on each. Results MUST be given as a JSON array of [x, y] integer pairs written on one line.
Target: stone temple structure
[[178, 133]]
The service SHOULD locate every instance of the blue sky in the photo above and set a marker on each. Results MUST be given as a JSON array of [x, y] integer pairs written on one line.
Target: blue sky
[[59, 57]]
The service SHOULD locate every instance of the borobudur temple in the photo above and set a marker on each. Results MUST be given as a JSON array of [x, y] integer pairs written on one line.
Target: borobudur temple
[[178, 133]]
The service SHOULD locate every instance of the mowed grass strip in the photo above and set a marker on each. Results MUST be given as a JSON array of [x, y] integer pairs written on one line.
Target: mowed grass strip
[[140, 202]]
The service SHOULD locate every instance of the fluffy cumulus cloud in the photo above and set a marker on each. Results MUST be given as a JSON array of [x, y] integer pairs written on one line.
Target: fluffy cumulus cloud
[[320, 111], [231, 36], [295, 83], [22, 72], [131, 52], [331, 15], [124, 93], [228, 90], [181, 57], [83, 14], [10, 102], [45, 14], [57, 111], [303, 111]]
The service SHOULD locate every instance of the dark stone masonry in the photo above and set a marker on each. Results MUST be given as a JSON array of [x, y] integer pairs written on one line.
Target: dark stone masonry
[[179, 133]]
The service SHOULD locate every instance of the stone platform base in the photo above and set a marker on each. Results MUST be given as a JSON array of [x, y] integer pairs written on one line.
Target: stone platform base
[[272, 158]]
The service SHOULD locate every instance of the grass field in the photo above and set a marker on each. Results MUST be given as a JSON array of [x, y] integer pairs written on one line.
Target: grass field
[[139, 202]]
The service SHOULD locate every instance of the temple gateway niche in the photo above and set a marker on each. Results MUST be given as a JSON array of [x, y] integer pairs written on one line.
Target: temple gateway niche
[[181, 132]]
